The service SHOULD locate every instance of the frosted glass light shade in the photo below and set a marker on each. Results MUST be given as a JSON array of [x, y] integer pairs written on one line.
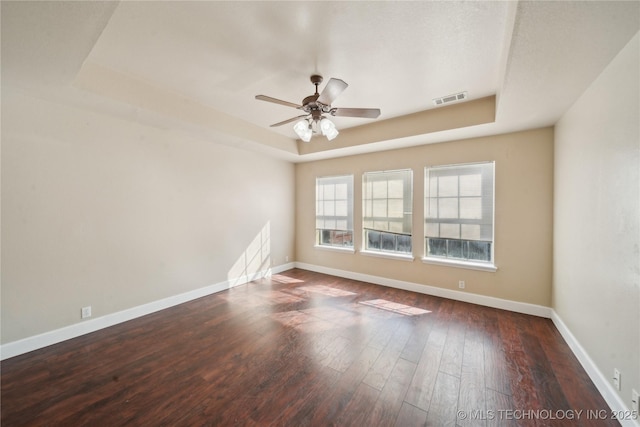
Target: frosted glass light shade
[[328, 129], [303, 130]]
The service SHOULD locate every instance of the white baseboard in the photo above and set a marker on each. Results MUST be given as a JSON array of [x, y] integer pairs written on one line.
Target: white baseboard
[[52, 337], [518, 307], [600, 380], [36, 342]]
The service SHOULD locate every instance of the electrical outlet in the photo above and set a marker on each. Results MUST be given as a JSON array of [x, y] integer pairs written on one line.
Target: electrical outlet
[[85, 312], [635, 402], [286, 259], [617, 379], [461, 284]]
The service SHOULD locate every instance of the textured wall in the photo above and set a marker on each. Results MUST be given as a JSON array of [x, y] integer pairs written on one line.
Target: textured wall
[[109, 213], [597, 219]]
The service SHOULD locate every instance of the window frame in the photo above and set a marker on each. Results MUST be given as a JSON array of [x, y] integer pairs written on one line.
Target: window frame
[[347, 179], [477, 264], [405, 219]]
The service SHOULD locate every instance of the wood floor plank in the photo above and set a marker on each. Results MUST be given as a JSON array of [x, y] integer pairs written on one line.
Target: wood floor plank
[[499, 409], [550, 393], [304, 400], [472, 398], [423, 325], [357, 410], [423, 383], [495, 359], [303, 348], [454, 347], [381, 370], [443, 410], [330, 405], [410, 416], [522, 384], [386, 409]]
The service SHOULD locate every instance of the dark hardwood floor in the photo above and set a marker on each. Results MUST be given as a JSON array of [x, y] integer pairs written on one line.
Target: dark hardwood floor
[[303, 348]]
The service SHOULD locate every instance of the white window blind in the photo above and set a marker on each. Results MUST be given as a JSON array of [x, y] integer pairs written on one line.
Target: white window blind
[[459, 205], [334, 211], [387, 210]]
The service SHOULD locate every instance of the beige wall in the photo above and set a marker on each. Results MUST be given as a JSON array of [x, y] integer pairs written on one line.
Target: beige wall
[[597, 219], [523, 232], [109, 213], [433, 120]]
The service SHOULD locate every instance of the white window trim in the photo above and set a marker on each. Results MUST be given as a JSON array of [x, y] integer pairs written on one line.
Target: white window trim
[[481, 266], [343, 249], [388, 255]]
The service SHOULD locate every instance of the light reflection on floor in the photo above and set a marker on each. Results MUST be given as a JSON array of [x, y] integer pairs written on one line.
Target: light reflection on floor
[[323, 318], [279, 278], [323, 290], [406, 310], [261, 298]]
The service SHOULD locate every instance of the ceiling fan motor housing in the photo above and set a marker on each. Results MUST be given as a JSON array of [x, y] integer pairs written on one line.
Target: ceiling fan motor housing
[[310, 104], [310, 100]]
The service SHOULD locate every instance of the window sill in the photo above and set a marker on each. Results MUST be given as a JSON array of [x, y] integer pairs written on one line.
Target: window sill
[[461, 264], [388, 255], [343, 249]]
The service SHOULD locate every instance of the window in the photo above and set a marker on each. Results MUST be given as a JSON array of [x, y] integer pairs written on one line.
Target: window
[[334, 211], [387, 211], [458, 209]]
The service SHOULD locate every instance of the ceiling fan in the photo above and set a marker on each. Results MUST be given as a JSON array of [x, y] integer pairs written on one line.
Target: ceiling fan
[[316, 106]]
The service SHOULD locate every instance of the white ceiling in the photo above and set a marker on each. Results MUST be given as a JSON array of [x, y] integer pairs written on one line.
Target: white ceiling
[[121, 58]]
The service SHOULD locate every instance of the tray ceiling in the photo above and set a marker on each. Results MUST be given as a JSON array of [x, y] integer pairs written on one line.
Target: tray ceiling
[[198, 65]]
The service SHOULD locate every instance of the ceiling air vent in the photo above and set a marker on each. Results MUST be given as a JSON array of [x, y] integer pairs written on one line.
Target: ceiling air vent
[[450, 98]]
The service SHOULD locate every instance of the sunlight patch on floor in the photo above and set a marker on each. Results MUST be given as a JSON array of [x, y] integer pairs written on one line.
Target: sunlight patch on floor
[[317, 319], [395, 307], [279, 278], [326, 290]]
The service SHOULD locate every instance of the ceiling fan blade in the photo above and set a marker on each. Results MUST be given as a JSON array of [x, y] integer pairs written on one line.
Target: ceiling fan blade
[[288, 121], [277, 101], [331, 91], [365, 113]]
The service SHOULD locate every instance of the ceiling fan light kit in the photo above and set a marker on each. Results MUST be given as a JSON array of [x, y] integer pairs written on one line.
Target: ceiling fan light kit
[[316, 106], [303, 130], [328, 129]]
